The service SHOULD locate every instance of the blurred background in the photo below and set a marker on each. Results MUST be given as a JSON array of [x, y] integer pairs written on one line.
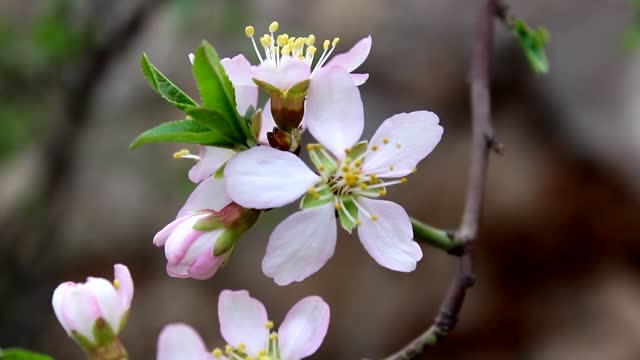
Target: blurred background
[[558, 258]]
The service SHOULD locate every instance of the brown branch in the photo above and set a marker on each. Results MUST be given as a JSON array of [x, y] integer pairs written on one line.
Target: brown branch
[[483, 142]]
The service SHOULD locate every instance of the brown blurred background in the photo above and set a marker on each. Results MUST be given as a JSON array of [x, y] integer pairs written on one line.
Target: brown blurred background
[[558, 259]]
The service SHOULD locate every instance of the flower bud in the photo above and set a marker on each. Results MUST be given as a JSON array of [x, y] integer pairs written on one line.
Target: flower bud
[[94, 312], [287, 106], [198, 243]]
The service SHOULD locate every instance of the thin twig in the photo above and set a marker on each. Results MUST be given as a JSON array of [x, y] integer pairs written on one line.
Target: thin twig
[[483, 142]]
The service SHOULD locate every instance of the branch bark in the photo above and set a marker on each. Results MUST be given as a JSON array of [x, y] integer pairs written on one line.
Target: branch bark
[[482, 142]]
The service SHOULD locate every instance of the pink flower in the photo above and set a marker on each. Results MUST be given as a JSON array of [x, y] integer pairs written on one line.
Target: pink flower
[[97, 306], [245, 326], [348, 179], [203, 235]]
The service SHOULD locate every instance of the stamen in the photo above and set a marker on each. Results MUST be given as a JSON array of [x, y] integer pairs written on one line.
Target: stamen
[[361, 208], [273, 27], [185, 154], [374, 147], [217, 353], [398, 145], [116, 284], [385, 140], [269, 325], [250, 31]]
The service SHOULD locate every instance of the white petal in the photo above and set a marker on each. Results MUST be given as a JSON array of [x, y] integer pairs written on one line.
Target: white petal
[[263, 178], [161, 237], [359, 79], [389, 240], [80, 311], [301, 244], [58, 300], [210, 194], [354, 57], [195, 247], [288, 73], [334, 113], [238, 70], [108, 300], [181, 342], [211, 159], [304, 328], [409, 139], [267, 123], [245, 96], [125, 290], [243, 319]]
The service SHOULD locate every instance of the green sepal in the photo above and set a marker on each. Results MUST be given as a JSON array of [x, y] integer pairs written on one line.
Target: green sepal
[[225, 242], [256, 123], [299, 89], [532, 42], [319, 198], [208, 223], [347, 212], [230, 236], [164, 86], [21, 354], [216, 121], [322, 160], [183, 131], [357, 150], [266, 86], [83, 341], [219, 174], [103, 332], [123, 321]]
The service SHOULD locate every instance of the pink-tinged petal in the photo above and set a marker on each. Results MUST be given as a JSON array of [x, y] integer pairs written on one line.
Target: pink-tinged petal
[[304, 328], [359, 79], [57, 301], [389, 239], [181, 342], [267, 123], [301, 244], [246, 96], [125, 289], [289, 72], [209, 194], [264, 178], [80, 310], [107, 299], [211, 159], [238, 70], [162, 235], [334, 113], [186, 244], [401, 142], [353, 58], [206, 265], [243, 319]]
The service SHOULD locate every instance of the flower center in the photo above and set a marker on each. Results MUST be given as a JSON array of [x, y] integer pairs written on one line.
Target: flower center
[[271, 352], [275, 48]]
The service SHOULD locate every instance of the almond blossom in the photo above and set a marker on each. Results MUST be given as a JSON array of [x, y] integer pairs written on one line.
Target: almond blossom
[[246, 328], [94, 312], [347, 180]]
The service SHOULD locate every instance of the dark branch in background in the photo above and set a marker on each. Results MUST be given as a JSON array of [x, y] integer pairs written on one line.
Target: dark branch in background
[[482, 142]]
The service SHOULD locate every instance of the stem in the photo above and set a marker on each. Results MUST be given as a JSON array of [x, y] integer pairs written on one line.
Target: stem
[[435, 237], [483, 141]]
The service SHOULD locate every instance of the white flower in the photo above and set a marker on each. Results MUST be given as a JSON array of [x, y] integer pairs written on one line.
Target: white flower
[[348, 180]]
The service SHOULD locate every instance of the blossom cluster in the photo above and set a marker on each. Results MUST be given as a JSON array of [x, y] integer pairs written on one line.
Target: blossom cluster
[[248, 163]]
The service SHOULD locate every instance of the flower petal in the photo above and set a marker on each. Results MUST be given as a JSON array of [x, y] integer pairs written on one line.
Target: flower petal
[[359, 79], [304, 328], [263, 178], [238, 70], [162, 235], [289, 72], [267, 123], [125, 290], [211, 159], [243, 319], [80, 311], [181, 342], [206, 265], [353, 58], [401, 142], [209, 194], [58, 300], [334, 113], [389, 239], [301, 244], [107, 299]]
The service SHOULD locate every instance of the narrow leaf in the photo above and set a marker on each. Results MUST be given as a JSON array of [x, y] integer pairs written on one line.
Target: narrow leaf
[[21, 354], [532, 41], [216, 121], [164, 86], [183, 131]]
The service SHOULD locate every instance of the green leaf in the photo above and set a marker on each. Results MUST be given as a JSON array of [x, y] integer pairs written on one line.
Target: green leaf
[[216, 121], [21, 354], [183, 131], [164, 86], [532, 42], [102, 332]]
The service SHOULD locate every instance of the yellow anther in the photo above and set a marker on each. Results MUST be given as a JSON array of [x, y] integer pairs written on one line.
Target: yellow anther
[[274, 26], [269, 325], [310, 147], [265, 41], [351, 179], [311, 50], [335, 42], [382, 192], [273, 336], [374, 147], [311, 39], [385, 140], [299, 43], [262, 353], [180, 154], [374, 179], [345, 168], [242, 347], [398, 145], [403, 181], [248, 358], [358, 222], [363, 186], [312, 190], [228, 349], [347, 150], [338, 206], [249, 31], [217, 353], [391, 167], [414, 170], [321, 168], [374, 218], [282, 41], [325, 44], [358, 163], [116, 284]]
